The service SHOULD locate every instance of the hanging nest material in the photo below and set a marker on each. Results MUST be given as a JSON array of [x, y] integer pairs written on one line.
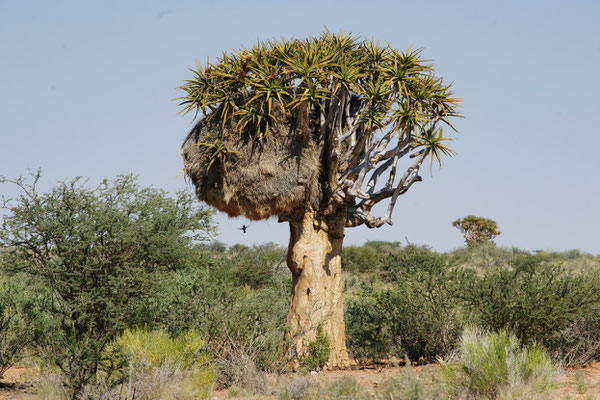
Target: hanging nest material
[[257, 179]]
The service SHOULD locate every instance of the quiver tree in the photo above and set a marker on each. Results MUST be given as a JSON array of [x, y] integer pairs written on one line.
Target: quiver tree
[[316, 132], [477, 230]]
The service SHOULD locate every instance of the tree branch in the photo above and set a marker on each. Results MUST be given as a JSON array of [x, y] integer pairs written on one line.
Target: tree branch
[[357, 216], [360, 213]]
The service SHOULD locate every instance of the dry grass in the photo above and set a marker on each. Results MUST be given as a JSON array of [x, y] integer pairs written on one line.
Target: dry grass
[[574, 384]]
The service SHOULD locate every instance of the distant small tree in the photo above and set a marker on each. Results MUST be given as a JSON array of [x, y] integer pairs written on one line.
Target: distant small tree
[[95, 253], [476, 229]]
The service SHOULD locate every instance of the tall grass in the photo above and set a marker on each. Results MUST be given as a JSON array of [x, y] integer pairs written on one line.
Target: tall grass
[[410, 386], [345, 388], [406, 385], [162, 367], [496, 366]]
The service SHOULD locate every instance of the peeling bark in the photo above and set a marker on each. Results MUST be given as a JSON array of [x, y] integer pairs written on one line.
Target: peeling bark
[[314, 258]]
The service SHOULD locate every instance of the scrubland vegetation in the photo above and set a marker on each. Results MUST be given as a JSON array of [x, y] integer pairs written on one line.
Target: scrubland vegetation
[[121, 292]]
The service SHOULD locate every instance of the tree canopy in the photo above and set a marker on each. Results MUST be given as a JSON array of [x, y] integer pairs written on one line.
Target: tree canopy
[[476, 229], [364, 104]]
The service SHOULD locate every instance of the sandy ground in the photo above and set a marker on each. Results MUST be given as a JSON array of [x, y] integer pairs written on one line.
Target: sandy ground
[[582, 383], [574, 384], [17, 383]]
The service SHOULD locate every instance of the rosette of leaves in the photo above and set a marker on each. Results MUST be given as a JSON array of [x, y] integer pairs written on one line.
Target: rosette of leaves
[[216, 150]]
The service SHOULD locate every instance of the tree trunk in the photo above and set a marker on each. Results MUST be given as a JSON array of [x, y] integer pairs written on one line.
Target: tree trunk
[[314, 258]]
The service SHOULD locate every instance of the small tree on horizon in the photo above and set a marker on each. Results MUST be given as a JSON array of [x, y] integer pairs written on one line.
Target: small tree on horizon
[[315, 131], [477, 230]]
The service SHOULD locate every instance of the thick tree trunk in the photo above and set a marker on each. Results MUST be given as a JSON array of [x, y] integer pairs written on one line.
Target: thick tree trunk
[[314, 258]]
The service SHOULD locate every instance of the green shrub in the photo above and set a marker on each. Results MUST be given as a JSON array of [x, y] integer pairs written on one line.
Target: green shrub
[[256, 267], [487, 256], [243, 326], [483, 257], [412, 259], [96, 253], [417, 315], [21, 322], [173, 302], [370, 329], [247, 337], [162, 367], [318, 351], [494, 365], [370, 258], [360, 259], [531, 299]]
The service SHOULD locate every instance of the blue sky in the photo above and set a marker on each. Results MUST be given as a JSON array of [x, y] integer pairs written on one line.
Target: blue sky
[[88, 88]]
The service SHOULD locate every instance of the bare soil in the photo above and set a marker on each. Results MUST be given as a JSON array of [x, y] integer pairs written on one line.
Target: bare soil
[[18, 383]]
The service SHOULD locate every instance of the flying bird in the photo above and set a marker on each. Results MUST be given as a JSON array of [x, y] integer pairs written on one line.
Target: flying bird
[[243, 228]]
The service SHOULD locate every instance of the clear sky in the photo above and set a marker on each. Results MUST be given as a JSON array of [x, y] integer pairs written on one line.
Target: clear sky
[[88, 88]]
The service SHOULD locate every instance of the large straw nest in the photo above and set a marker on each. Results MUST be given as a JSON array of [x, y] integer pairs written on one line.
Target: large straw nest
[[273, 176]]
